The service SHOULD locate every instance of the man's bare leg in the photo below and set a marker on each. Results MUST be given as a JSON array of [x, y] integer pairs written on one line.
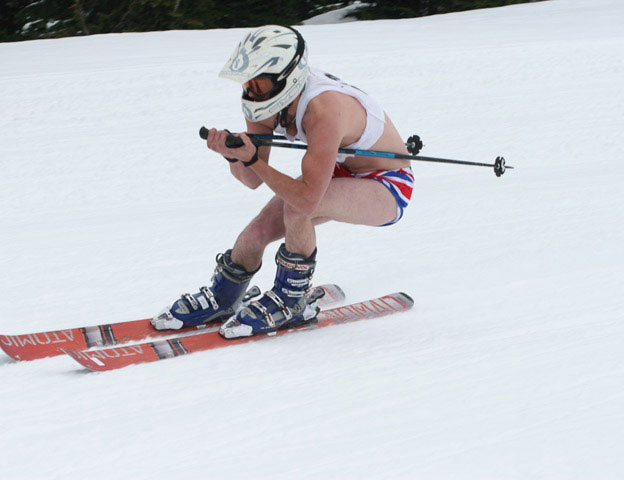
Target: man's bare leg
[[350, 200], [359, 201], [266, 227]]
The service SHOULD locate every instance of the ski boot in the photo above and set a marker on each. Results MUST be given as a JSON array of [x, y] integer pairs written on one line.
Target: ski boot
[[214, 304], [286, 305]]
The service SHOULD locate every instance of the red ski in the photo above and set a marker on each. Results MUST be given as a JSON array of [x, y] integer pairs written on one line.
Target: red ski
[[119, 357], [32, 346]]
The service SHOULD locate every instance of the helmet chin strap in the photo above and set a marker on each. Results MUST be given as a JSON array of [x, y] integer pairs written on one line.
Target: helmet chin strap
[[282, 118]]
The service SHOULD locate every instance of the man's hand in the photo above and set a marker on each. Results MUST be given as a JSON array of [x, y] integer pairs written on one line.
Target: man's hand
[[216, 142]]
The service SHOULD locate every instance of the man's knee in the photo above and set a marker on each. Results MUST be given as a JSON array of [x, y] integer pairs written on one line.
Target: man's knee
[[265, 228], [292, 215]]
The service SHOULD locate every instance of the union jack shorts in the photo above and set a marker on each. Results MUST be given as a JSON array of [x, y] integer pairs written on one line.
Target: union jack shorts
[[399, 182]]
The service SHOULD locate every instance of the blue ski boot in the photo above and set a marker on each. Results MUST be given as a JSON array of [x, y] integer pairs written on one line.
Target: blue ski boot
[[285, 305], [214, 304]]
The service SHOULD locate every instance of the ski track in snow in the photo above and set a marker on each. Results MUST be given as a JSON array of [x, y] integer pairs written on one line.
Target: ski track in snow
[[509, 366]]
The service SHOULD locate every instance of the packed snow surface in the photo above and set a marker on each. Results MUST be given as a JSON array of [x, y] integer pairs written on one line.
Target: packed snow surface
[[510, 365]]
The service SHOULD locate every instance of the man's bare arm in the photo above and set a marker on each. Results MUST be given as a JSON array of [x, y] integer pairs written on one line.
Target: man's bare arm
[[216, 141], [245, 175], [324, 131]]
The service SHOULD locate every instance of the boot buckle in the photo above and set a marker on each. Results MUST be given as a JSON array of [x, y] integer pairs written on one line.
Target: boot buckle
[[210, 297], [280, 304], [190, 300]]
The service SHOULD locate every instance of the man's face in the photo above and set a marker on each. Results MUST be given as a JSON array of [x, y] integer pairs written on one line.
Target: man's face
[[259, 88]]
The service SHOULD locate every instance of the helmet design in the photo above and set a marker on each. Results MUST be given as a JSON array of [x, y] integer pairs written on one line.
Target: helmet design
[[273, 51]]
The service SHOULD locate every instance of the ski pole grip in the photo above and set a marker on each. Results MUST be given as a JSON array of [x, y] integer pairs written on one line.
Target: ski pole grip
[[231, 141]]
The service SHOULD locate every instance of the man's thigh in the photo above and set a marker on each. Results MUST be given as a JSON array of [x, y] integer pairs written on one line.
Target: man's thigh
[[360, 201]]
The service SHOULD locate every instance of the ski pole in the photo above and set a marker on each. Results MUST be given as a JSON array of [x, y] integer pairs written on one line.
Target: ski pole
[[499, 164], [413, 144]]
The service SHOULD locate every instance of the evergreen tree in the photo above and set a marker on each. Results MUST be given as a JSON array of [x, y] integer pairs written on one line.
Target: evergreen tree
[[417, 8], [10, 25], [32, 19], [44, 19]]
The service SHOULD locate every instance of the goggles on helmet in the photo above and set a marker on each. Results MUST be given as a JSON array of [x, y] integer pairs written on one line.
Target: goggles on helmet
[[262, 87]]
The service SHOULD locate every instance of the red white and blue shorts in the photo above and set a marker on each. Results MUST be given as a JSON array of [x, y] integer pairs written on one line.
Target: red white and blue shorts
[[399, 182]]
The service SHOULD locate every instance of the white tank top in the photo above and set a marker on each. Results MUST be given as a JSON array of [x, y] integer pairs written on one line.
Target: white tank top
[[319, 82]]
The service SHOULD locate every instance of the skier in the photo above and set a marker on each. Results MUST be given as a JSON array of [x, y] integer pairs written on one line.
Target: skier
[[282, 94]]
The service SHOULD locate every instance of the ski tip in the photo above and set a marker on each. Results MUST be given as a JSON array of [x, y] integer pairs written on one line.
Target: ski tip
[[339, 291], [13, 353], [83, 359], [333, 291], [9, 353], [408, 300]]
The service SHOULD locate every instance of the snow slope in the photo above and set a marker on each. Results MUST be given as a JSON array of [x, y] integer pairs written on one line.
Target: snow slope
[[510, 365]]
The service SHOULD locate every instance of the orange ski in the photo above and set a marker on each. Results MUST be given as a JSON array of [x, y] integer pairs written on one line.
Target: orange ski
[[119, 357], [32, 346]]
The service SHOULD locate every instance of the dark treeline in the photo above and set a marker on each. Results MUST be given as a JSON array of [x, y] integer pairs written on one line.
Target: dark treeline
[[33, 19]]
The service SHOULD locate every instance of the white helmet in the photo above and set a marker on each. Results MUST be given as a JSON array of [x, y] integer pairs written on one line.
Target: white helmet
[[273, 51]]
